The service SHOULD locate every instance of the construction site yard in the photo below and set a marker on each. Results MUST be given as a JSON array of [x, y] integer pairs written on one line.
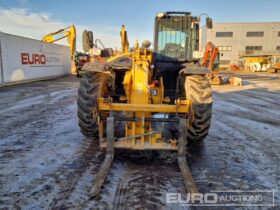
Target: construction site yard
[[46, 163]]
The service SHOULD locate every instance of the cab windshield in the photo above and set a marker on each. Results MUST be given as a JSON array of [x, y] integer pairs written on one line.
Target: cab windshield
[[172, 44], [174, 38]]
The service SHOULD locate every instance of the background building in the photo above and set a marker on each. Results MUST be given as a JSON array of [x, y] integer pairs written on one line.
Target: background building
[[239, 39]]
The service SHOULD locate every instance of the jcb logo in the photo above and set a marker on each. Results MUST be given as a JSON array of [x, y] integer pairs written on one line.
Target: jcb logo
[[31, 59]]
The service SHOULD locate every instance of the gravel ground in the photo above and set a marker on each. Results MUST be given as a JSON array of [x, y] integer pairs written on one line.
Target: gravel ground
[[45, 163]]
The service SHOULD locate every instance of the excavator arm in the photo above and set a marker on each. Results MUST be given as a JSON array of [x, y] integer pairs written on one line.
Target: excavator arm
[[69, 32], [210, 55]]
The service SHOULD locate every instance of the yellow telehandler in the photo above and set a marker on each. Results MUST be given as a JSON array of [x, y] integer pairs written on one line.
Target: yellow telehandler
[[125, 100]]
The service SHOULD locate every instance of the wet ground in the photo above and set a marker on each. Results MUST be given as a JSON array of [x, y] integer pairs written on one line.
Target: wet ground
[[45, 163]]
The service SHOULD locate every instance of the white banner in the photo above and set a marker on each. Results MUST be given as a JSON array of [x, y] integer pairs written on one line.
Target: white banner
[[26, 59]]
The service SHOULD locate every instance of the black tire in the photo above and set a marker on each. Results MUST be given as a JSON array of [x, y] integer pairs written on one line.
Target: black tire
[[198, 89], [92, 86]]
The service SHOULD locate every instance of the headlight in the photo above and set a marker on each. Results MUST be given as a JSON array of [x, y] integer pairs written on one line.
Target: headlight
[[160, 14]]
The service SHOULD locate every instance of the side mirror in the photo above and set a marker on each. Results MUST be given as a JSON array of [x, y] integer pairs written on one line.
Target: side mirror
[[209, 23]]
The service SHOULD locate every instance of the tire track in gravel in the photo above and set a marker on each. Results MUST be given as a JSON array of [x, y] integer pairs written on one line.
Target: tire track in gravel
[[87, 161], [144, 182], [135, 181]]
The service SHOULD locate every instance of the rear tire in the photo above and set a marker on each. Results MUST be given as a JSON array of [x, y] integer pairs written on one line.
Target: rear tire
[[198, 89], [92, 86]]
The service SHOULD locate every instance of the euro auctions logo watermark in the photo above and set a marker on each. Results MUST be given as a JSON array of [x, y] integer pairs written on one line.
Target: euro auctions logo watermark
[[224, 198]]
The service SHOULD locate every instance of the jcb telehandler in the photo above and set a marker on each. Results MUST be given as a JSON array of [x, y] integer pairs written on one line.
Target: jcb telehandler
[[123, 100]]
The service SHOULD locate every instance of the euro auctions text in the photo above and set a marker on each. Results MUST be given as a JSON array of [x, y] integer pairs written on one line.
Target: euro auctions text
[[223, 198]]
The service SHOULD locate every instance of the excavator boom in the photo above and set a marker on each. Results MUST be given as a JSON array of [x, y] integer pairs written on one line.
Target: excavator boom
[[69, 32]]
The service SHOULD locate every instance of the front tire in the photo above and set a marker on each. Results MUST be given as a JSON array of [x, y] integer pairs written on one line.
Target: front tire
[[198, 89], [92, 86]]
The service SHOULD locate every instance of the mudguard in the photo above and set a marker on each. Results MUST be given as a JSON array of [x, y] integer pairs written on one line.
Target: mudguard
[[123, 62], [194, 70], [96, 67]]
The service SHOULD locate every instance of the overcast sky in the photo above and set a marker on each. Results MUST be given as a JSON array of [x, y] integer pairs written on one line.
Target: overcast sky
[[34, 18]]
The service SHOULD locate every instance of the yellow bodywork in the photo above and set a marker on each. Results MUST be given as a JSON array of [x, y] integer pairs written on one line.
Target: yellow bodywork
[[124, 40], [130, 90], [141, 100]]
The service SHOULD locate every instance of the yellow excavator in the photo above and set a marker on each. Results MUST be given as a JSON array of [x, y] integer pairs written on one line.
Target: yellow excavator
[[70, 33], [145, 99]]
